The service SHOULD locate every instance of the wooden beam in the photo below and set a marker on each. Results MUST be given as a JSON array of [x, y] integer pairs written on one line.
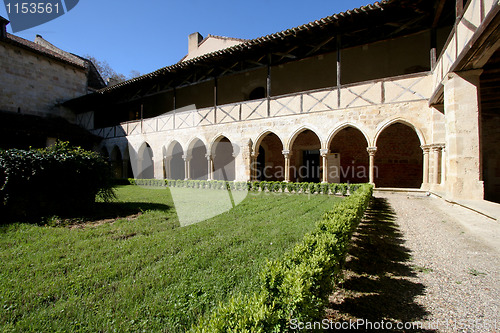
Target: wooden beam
[[404, 26], [285, 55], [253, 62], [320, 45], [437, 13], [229, 69]]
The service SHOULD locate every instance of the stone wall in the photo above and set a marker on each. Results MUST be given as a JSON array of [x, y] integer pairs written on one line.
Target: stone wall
[[36, 83]]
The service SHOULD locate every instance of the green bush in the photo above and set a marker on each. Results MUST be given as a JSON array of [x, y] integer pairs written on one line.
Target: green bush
[[298, 285], [59, 180], [274, 186]]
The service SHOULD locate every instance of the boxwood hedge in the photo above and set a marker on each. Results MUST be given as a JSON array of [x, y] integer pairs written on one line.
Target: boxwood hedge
[[310, 188], [297, 286]]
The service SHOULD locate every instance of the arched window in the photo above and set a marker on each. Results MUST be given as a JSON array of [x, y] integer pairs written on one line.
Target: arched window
[[257, 93]]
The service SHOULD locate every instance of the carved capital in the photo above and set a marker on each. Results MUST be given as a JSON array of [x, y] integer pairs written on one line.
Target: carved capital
[[437, 147], [371, 150], [426, 148]]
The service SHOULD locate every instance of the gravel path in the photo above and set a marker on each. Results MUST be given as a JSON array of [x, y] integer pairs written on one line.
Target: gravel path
[[420, 259]]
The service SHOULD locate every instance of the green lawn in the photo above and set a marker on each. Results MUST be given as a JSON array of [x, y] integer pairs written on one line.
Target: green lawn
[[147, 273]]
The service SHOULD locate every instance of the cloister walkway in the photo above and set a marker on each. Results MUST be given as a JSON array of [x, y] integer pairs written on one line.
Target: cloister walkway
[[419, 258]]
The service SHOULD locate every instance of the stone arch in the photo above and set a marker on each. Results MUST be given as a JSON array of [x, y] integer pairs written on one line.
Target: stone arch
[[381, 127], [261, 137], [117, 165], [217, 138], [298, 131], [127, 161], [399, 158], [173, 154], [270, 162], [257, 93], [104, 151], [197, 152], [305, 162], [348, 161], [144, 162], [223, 157], [342, 126]]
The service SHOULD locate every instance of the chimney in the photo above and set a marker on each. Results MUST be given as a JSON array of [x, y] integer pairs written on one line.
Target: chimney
[[3, 27], [194, 40]]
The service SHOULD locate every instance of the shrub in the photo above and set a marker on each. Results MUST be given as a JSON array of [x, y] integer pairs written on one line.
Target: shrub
[[274, 186], [325, 188], [59, 180], [298, 285]]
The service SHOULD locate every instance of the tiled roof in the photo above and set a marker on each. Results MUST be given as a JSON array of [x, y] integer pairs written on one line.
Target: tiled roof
[[250, 44], [26, 44], [225, 38]]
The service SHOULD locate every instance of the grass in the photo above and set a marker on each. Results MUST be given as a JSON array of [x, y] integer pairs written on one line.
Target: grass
[[147, 273]]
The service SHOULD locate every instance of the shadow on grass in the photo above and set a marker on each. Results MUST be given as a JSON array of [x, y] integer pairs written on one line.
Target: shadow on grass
[[109, 210], [378, 282], [100, 211]]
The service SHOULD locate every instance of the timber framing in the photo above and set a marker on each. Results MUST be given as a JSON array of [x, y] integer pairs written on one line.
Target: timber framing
[[379, 21]]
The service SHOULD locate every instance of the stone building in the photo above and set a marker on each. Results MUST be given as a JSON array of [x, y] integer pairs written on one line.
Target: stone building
[[35, 78], [399, 93]]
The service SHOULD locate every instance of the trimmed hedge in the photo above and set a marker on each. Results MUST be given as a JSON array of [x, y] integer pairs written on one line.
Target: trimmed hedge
[[57, 180], [310, 188], [298, 285]]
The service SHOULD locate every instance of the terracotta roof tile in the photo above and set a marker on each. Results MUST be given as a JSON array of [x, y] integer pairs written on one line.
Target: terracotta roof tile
[[249, 44]]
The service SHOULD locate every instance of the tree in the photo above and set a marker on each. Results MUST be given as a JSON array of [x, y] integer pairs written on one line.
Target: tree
[[110, 76]]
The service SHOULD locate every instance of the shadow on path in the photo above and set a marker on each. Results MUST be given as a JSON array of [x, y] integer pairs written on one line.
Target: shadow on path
[[379, 281]]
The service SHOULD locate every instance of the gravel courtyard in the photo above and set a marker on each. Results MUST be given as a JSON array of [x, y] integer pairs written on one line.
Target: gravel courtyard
[[420, 259]]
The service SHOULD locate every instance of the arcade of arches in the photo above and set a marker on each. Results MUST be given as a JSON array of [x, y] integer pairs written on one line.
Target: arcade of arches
[[398, 158]]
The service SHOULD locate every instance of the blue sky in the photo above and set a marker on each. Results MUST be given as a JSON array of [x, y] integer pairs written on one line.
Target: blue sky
[[147, 35]]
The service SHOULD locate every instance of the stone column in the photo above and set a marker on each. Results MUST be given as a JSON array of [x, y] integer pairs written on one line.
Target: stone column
[[125, 169], [371, 151], [462, 121], [187, 167], [168, 172], [210, 167], [157, 168], [436, 150], [286, 155], [323, 153], [425, 177], [253, 166]]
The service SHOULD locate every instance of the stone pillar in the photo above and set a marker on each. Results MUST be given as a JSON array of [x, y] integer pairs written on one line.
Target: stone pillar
[[187, 167], [286, 155], [125, 169], [323, 153], [157, 168], [371, 151], [168, 172], [247, 159], [462, 121], [253, 166], [436, 150], [210, 167], [425, 177]]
